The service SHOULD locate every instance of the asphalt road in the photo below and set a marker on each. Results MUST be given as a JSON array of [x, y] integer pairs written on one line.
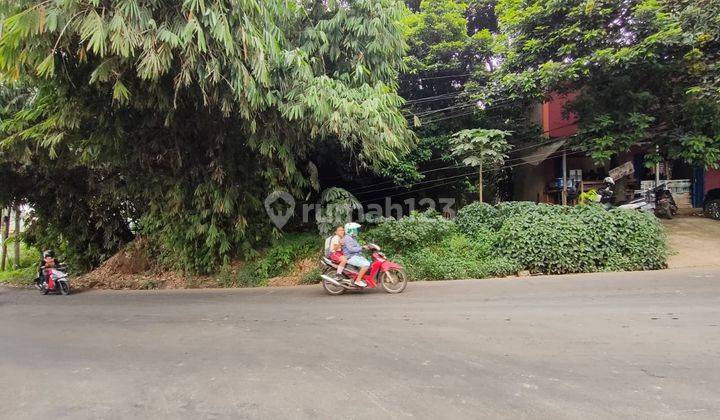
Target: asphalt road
[[622, 345]]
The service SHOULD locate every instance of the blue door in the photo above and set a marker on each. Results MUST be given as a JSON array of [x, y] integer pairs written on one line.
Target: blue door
[[698, 187]]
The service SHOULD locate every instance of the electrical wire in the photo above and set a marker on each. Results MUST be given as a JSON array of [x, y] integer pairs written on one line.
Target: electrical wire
[[464, 174], [543, 143], [457, 178]]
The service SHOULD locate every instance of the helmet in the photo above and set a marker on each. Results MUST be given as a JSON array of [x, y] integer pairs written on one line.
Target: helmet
[[48, 253], [609, 180], [352, 228]]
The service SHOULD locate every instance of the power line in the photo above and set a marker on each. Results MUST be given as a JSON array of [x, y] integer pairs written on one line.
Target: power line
[[485, 107], [444, 77], [539, 144], [457, 178], [362, 190], [552, 155], [435, 97]]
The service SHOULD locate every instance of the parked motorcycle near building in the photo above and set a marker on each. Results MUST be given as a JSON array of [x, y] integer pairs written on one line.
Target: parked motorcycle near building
[[658, 200]]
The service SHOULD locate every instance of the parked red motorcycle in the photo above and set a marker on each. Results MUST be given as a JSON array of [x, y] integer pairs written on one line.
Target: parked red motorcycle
[[390, 275]]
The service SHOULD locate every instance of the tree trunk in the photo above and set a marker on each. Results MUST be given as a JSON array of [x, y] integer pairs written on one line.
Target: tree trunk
[[5, 228], [480, 183], [16, 261]]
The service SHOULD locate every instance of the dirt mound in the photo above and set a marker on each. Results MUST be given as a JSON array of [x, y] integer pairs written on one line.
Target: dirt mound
[[132, 259], [131, 268], [302, 270]]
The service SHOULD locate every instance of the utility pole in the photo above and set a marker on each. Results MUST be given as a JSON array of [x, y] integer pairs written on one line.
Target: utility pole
[[657, 168], [565, 180], [16, 261], [480, 183]]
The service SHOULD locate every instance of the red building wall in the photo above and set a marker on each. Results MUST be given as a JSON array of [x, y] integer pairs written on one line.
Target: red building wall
[[712, 179], [553, 122]]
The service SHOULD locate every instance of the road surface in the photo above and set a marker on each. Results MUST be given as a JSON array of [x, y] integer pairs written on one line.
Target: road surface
[[621, 345]]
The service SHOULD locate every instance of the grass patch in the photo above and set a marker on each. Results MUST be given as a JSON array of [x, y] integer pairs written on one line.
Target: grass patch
[[280, 258], [21, 277]]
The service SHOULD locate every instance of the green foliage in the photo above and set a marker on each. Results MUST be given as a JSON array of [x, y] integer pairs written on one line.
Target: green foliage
[[643, 71], [584, 239], [279, 258], [459, 257], [284, 253], [475, 217], [183, 117], [412, 232], [29, 256], [244, 276], [449, 40], [509, 209], [482, 148], [336, 208], [312, 276], [20, 277], [75, 213], [479, 146]]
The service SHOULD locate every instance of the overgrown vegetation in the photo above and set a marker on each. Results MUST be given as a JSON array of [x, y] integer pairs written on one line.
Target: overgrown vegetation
[[411, 233], [502, 240], [20, 277], [280, 258], [174, 120], [586, 238], [181, 117], [26, 267]]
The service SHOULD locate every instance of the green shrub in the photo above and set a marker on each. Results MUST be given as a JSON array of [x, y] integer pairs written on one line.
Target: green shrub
[[21, 277], [458, 257], [284, 254], [558, 239], [312, 276], [29, 256], [276, 260], [475, 216], [409, 233], [508, 209], [245, 276]]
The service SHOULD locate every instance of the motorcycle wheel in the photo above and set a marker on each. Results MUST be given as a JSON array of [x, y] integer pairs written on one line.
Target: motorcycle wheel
[[44, 290], [330, 288], [712, 209], [394, 280], [64, 288], [664, 212]]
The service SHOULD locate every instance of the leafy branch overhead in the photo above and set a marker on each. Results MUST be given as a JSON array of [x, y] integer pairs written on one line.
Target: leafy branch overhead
[[480, 146], [483, 148], [200, 108]]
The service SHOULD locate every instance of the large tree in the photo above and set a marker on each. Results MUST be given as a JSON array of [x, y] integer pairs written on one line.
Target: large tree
[[450, 44], [640, 68], [188, 114]]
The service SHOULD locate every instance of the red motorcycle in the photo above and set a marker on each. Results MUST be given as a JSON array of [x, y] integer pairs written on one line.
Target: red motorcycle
[[390, 275]]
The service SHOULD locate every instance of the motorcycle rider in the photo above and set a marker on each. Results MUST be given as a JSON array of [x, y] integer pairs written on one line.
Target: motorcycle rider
[[606, 192], [47, 261], [353, 251], [335, 253]]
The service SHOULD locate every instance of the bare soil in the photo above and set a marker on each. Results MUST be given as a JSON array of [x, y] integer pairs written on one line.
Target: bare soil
[[131, 268], [694, 240], [295, 278]]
